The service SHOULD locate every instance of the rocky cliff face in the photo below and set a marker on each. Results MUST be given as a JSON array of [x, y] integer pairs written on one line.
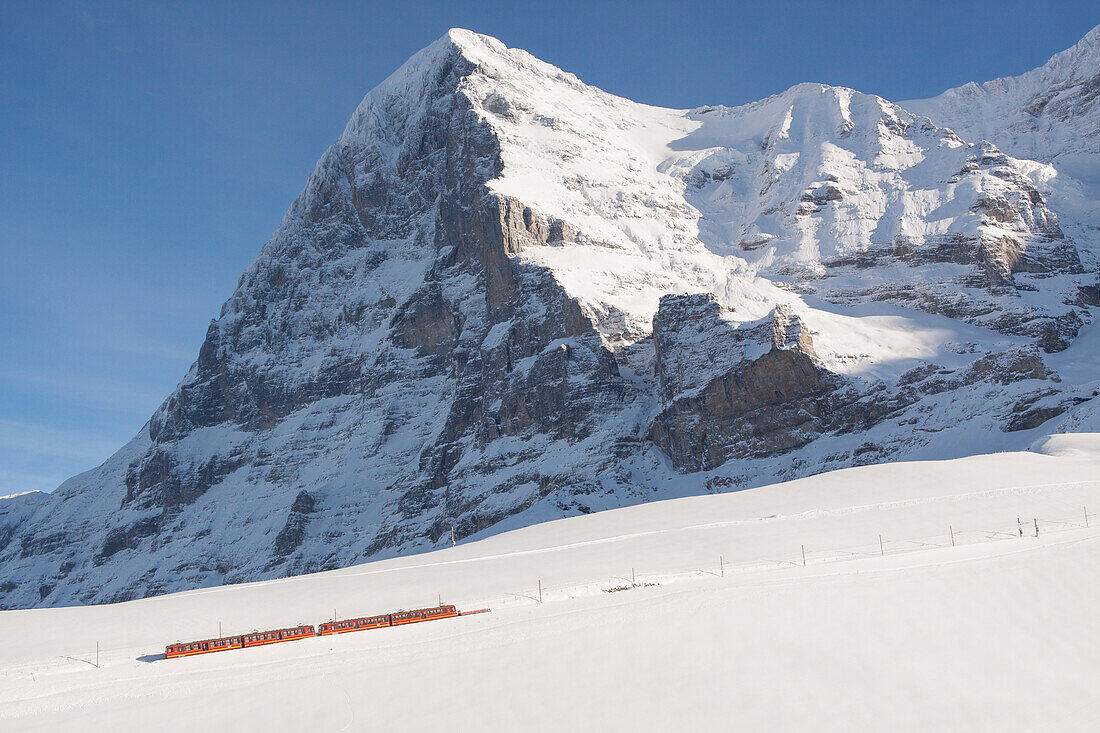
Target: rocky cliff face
[[767, 397], [505, 296]]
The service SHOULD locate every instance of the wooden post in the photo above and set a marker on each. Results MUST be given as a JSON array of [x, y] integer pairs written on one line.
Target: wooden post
[[721, 566], [1036, 527], [881, 551], [540, 590], [803, 555], [633, 582], [219, 629], [952, 535]]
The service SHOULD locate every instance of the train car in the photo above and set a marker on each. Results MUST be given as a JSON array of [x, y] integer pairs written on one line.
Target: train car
[[354, 624], [206, 646], [422, 614], [260, 638]]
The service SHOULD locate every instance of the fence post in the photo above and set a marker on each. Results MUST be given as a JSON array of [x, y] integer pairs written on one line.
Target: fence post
[[1020, 526], [1036, 527], [721, 566], [540, 590], [952, 529], [803, 555], [633, 582], [881, 551]]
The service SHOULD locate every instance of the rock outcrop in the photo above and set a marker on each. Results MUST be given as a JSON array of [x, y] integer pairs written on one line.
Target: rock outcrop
[[768, 396]]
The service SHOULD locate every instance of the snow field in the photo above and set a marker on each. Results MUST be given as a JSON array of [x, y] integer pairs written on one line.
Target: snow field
[[994, 633]]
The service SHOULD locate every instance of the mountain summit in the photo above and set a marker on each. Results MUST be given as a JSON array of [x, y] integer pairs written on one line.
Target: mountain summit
[[1049, 113], [505, 296]]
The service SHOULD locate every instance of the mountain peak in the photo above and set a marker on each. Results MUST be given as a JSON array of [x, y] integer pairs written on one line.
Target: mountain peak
[[1079, 61], [1044, 114], [472, 41]]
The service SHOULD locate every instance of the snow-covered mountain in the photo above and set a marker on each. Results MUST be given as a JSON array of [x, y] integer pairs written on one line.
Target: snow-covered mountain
[[505, 296], [1051, 113]]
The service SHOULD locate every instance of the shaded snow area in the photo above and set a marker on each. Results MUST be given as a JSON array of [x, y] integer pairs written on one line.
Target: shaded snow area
[[506, 297], [687, 614]]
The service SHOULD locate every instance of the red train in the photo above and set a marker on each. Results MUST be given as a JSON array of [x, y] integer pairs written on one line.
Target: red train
[[256, 638], [390, 619], [259, 638]]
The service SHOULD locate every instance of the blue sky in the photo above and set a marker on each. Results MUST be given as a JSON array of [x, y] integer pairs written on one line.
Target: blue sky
[[150, 149]]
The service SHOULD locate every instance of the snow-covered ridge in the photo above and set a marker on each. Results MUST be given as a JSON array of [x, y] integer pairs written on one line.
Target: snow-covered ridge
[[719, 200], [1046, 114]]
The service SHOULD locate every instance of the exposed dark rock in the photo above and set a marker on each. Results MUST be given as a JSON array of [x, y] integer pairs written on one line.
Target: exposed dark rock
[[1033, 411], [124, 538], [761, 404], [293, 532], [1089, 295]]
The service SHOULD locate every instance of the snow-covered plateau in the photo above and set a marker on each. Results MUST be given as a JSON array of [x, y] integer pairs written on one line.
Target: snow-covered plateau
[[506, 297], [920, 607]]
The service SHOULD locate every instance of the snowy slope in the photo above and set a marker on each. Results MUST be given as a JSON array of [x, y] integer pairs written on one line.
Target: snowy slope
[[993, 633], [505, 297], [659, 201], [1049, 114], [16, 509]]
